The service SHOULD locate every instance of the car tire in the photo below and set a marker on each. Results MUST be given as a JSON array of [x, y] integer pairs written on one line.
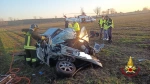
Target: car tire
[[65, 68]]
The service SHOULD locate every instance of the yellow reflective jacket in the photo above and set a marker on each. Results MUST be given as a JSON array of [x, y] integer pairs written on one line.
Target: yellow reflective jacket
[[76, 26], [101, 22], [31, 38], [27, 42], [108, 23]]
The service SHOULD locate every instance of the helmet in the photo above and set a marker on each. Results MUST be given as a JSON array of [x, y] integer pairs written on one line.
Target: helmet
[[33, 26]]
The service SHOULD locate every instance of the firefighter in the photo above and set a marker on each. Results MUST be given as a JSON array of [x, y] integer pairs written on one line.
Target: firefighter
[[30, 45], [101, 25], [76, 27], [108, 24]]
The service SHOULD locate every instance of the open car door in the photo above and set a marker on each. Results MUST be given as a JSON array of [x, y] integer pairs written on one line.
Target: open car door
[[84, 35]]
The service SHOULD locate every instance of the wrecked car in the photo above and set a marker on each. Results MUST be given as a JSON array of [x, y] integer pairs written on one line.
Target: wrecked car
[[64, 48]]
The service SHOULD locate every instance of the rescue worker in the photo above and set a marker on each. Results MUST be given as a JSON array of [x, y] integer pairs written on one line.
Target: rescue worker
[[30, 45], [76, 27], [108, 24], [101, 25], [66, 24], [66, 21]]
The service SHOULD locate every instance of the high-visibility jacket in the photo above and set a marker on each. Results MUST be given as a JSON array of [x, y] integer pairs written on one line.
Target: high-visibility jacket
[[108, 23], [76, 26], [31, 39], [101, 22]]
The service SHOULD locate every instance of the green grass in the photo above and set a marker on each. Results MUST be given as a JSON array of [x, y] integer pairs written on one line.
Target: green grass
[[5, 59], [131, 37]]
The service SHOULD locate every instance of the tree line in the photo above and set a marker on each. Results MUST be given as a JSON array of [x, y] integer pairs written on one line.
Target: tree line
[[98, 11]]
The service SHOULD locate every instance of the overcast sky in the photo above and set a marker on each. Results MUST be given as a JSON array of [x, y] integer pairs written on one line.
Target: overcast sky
[[27, 9]]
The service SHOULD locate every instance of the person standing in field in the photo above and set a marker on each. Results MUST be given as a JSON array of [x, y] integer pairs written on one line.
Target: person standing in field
[[31, 38], [66, 24], [108, 25], [101, 25], [76, 27], [105, 34]]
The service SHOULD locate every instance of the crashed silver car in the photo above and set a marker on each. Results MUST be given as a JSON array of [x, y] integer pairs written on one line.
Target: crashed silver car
[[65, 49]]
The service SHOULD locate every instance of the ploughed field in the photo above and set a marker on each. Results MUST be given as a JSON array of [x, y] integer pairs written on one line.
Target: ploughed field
[[131, 37]]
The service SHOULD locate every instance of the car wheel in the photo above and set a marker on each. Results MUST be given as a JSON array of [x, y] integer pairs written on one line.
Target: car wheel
[[65, 68]]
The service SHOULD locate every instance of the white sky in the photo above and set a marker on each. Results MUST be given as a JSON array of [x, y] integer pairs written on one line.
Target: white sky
[[27, 9]]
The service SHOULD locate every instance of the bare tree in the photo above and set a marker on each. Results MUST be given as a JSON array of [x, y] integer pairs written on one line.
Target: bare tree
[[34, 17], [55, 16], [112, 10], [1, 21], [40, 18], [103, 12], [145, 9], [17, 19], [107, 11], [10, 18], [82, 11], [97, 10]]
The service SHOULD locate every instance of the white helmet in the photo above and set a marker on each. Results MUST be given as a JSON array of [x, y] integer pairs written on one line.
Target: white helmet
[[33, 26]]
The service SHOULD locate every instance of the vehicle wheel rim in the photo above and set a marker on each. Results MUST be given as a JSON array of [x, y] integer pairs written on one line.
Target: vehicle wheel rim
[[66, 66]]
